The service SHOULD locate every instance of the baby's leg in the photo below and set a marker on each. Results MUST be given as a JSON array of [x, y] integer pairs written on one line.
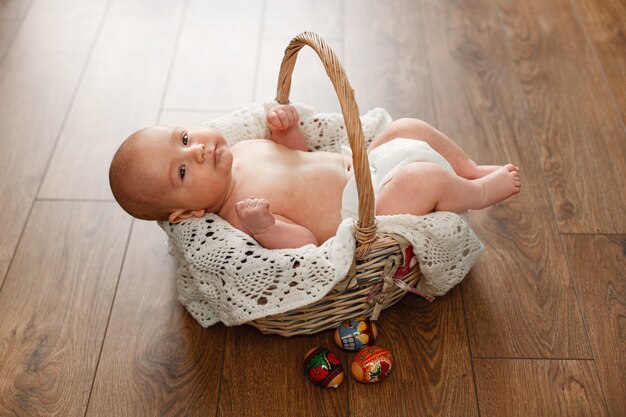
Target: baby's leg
[[422, 187], [463, 165]]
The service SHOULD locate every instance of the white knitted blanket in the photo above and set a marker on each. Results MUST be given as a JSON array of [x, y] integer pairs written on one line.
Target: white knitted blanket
[[225, 275]]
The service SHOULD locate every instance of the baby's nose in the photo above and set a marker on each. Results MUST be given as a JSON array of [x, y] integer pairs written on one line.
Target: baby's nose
[[198, 152]]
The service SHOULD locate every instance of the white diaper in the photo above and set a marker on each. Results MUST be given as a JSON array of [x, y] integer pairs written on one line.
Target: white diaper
[[385, 161]]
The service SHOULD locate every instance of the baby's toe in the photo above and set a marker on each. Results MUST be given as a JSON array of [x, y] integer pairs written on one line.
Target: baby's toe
[[511, 168]]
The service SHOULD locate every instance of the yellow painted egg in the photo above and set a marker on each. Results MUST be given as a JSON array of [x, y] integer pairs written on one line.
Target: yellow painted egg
[[354, 334], [323, 368], [372, 364]]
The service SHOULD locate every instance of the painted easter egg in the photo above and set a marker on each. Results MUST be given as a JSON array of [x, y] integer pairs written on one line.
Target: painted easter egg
[[354, 334], [372, 364], [323, 368]]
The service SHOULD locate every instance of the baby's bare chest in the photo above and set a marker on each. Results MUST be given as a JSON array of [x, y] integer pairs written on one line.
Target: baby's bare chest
[[305, 187]]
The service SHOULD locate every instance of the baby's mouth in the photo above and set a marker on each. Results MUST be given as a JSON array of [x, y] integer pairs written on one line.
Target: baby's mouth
[[215, 156]]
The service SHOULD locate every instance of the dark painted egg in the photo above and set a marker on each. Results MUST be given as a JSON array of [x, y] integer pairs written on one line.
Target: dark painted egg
[[323, 368]]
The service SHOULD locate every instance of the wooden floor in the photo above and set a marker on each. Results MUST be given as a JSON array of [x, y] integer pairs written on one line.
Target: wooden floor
[[89, 322]]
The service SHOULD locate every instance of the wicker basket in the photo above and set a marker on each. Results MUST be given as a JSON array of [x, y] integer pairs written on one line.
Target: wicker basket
[[378, 278]]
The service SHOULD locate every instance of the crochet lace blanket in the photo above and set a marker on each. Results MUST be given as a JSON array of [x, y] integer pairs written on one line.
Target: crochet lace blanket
[[225, 275]]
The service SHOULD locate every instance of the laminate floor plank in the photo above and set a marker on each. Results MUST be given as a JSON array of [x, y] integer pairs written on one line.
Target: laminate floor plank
[[538, 388], [386, 58], [599, 270], [121, 92], [12, 13], [216, 60], [580, 136], [518, 296], [55, 304], [263, 375], [38, 78], [187, 118], [285, 19], [432, 372], [170, 366], [605, 22]]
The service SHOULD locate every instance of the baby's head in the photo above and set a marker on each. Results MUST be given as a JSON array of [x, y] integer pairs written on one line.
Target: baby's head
[[164, 173]]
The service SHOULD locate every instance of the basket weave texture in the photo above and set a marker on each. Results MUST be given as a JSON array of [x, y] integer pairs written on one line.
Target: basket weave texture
[[380, 275]]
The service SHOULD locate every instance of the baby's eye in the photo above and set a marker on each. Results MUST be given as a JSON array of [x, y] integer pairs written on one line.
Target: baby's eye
[[185, 138], [181, 172]]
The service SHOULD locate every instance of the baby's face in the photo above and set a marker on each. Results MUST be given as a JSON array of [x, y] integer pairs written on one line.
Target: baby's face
[[190, 168]]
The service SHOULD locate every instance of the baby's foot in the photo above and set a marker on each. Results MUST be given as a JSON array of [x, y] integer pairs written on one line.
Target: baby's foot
[[254, 214], [500, 184]]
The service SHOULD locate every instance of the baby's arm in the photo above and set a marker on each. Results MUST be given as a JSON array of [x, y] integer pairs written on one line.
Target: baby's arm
[[272, 231], [283, 123]]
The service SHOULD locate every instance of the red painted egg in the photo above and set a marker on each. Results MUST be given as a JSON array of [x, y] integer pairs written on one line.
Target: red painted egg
[[372, 364]]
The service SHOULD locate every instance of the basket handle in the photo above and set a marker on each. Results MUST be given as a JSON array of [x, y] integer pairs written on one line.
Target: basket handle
[[366, 225]]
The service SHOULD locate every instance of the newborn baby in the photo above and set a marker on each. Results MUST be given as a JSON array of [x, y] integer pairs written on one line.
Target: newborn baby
[[285, 197]]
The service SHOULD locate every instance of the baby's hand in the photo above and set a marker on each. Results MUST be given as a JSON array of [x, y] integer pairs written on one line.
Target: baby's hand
[[254, 214], [282, 117]]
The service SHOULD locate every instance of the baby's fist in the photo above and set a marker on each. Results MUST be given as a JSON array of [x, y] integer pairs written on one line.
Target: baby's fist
[[254, 214], [282, 117]]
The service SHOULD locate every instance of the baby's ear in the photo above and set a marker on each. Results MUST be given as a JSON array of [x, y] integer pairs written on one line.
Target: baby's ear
[[180, 215]]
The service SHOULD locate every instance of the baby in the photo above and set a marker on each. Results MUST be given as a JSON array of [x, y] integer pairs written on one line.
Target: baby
[[163, 173]]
